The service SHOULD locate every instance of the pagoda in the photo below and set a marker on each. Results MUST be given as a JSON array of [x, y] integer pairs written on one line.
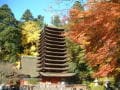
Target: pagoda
[[52, 58]]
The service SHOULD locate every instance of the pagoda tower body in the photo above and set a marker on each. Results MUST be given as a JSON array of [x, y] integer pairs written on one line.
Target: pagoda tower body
[[53, 55]]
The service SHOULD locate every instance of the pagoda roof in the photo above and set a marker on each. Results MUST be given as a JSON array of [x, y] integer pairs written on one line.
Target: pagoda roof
[[52, 60], [54, 35], [53, 56], [53, 64], [53, 31], [54, 28], [55, 48], [55, 38], [62, 45], [55, 41], [56, 53], [47, 74], [57, 68]]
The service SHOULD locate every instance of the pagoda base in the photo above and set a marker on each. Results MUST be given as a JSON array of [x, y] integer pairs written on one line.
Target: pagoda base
[[51, 79]]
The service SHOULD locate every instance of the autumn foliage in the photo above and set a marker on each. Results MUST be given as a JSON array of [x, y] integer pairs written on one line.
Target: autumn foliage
[[30, 37], [97, 30]]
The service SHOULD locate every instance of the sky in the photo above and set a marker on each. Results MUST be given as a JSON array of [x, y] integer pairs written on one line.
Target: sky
[[46, 8]]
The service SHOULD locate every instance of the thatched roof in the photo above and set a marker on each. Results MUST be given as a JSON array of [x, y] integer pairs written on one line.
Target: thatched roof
[[29, 66], [6, 68]]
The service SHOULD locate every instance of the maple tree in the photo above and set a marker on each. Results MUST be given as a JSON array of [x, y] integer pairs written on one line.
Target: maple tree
[[97, 30]]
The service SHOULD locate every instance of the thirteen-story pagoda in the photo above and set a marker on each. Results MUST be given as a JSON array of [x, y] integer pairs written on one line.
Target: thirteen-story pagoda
[[53, 55]]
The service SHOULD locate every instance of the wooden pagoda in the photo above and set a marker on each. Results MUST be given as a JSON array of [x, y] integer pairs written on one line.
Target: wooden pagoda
[[52, 55]]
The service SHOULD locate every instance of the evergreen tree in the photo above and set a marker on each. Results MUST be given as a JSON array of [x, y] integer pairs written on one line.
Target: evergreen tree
[[56, 20], [27, 15], [77, 62], [77, 5], [9, 35], [40, 20]]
